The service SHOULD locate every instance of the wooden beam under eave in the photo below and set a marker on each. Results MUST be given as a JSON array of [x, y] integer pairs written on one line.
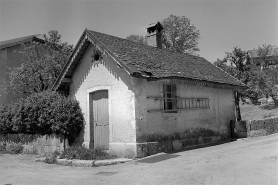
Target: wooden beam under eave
[[67, 80]]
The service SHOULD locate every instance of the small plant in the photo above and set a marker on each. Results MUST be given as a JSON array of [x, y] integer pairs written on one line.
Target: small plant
[[83, 153], [2, 147], [14, 149], [50, 159], [268, 115]]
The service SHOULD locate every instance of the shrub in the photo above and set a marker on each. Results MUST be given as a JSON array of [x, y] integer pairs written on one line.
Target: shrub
[[14, 148], [51, 159], [83, 153], [43, 113]]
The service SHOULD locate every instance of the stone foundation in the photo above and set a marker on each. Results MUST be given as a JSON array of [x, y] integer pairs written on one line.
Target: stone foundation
[[150, 148]]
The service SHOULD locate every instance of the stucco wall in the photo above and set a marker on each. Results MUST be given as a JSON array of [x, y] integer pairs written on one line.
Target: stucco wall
[[91, 76], [217, 118]]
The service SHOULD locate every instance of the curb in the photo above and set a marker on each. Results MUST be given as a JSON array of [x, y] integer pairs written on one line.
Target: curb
[[87, 163]]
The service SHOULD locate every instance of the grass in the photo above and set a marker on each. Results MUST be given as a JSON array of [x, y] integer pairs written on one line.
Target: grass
[[249, 111]]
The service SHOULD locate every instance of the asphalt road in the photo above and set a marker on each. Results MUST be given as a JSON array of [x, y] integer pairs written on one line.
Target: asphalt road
[[242, 162]]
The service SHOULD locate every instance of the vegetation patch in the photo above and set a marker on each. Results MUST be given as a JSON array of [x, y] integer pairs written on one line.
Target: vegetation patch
[[43, 113], [83, 153], [187, 134], [15, 148]]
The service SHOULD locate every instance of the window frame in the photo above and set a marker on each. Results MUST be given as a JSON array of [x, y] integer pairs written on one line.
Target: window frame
[[169, 97]]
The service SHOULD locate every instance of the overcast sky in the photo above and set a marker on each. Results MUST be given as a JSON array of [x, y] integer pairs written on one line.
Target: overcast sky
[[223, 24]]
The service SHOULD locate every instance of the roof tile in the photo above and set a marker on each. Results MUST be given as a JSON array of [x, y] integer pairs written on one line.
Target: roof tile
[[162, 63]]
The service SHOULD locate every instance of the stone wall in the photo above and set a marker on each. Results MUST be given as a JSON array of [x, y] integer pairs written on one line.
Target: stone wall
[[256, 128], [39, 144], [150, 148]]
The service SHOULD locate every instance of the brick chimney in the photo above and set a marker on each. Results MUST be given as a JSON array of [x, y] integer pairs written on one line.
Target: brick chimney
[[154, 35]]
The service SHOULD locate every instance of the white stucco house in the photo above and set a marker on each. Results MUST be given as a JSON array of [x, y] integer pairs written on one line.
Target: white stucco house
[[136, 98]]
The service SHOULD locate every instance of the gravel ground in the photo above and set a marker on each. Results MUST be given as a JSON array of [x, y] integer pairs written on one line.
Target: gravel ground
[[248, 161]]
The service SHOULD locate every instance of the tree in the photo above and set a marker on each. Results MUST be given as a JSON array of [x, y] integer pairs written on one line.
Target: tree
[[178, 34], [264, 52], [41, 65], [238, 64], [268, 73], [137, 38]]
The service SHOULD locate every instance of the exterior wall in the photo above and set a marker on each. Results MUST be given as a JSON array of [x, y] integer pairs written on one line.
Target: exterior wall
[[9, 58], [217, 118], [90, 77]]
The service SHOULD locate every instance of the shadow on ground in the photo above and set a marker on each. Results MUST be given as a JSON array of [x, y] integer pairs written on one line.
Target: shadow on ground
[[157, 158]]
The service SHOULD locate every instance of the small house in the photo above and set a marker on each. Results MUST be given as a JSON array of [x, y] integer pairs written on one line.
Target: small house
[[137, 98]]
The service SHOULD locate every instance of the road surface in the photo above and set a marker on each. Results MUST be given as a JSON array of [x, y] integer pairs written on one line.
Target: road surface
[[242, 162]]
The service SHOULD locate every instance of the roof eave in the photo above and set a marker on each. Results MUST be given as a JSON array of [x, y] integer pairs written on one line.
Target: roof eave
[[91, 38]]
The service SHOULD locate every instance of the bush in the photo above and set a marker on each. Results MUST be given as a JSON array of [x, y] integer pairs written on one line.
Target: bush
[[43, 113], [50, 159], [83, 153], [14, 149]]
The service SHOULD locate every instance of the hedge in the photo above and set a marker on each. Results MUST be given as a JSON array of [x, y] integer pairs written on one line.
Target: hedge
[[43, 113]]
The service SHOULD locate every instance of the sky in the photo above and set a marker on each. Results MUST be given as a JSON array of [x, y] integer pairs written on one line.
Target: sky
[[223, 24]]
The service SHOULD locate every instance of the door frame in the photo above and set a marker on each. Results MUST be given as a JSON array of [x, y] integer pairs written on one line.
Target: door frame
[[88, 121]]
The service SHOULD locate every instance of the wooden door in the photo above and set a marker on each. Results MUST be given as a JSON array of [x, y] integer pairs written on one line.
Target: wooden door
[[100, 119]]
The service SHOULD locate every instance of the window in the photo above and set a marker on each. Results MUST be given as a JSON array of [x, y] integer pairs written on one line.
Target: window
[[169, 96]]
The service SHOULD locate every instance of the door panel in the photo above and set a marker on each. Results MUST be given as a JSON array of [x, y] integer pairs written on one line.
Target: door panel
[[101, 119]]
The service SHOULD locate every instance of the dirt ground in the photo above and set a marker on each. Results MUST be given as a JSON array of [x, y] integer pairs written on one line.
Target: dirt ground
[[248, 161]]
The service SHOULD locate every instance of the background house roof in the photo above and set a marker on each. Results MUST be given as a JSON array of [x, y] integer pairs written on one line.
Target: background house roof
[[12, 42], [142, 60]]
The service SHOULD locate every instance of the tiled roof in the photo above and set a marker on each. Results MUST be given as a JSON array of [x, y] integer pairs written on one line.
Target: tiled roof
[[12, 42], [162, 63], [142, 60]]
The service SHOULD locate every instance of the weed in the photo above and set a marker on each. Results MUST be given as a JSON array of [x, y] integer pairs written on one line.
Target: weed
[[83, 153], [14, 148]]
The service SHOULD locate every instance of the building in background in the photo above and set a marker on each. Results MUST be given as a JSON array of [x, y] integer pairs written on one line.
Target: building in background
[[10, 57]]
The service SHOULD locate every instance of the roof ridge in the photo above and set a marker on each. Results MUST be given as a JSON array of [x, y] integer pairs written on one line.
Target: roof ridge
[[164, 49], [35, 35], [12, 42]]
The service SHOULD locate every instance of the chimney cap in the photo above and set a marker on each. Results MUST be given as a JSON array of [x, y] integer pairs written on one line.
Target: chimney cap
[[154, 26]]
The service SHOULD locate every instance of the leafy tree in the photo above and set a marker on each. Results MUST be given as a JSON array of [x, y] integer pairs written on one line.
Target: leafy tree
[[268, 73], [178, 34], [264, 52], [238, 64], [41, 65], [137, 38]]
